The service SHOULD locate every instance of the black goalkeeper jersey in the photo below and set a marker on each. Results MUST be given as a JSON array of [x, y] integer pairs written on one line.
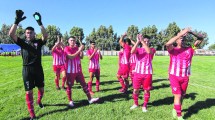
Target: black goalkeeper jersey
[[31, 51]]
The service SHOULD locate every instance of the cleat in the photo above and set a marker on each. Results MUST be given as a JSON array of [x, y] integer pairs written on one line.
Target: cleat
[[144, 109], [93, 100], [57, 88], [40, 105], [123, 90], [71, 104], [133, 107]]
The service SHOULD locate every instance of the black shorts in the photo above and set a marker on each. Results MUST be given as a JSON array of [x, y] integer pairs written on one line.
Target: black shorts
[[32, 76]]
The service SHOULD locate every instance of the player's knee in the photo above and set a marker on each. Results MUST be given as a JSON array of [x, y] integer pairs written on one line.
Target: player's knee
[[136, 91], [29, 92]]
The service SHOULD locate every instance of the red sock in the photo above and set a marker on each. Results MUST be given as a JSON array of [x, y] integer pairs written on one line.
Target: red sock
[[146, 99], [57, 82], [122, 82], [135, 97], [178, 109], [87, 92], [69, 93], [90, 86], [30, 103], [63, 81], [40, 95], [97, 85]]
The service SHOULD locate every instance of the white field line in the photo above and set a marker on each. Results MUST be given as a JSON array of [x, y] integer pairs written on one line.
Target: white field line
[[202, 86]]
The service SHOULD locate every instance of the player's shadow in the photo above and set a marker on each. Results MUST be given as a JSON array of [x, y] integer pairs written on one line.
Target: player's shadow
[[200, 105], [158, 80], [160, 86], [115, 97], [169, 100], [110, 89], [108, 82], [77, 104]]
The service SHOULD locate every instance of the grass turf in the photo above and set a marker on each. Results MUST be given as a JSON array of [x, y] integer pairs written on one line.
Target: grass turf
[[198, 105]]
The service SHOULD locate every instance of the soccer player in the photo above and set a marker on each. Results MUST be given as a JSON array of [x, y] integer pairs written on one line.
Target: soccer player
[[179, 67], [123, 72], [74, 70], [132, 62], [94, 55], [58, 62], [143, 70], [32, 71]]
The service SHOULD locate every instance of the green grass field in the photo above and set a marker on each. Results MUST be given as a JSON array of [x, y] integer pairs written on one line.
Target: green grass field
[[198, 105]]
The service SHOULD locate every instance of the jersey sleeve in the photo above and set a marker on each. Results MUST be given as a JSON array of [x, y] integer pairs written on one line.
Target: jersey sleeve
[[20, 42], [88, 53]]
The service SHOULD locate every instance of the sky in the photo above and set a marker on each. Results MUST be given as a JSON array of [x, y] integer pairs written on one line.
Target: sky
[[89, 14]]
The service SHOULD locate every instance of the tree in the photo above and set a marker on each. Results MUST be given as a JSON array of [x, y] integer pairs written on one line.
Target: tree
[[77, 31], [212, 47], [165, 35], [104, 37], [152, 32], [191, 39], [52, 31], [65, 38], [20, 32], [4, 38], [132, 31]]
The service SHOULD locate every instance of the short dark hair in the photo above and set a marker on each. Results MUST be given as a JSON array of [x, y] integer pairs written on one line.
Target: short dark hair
[[146, 36], [29, 28], [92, 42], [128, 40], [73, 37]]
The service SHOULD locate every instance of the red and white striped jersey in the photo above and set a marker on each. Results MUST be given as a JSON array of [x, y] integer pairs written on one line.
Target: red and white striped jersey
[[144, 61], [58, 56], [180, 61], [72, 65], [94, 61], [133, 58], [126, 54]]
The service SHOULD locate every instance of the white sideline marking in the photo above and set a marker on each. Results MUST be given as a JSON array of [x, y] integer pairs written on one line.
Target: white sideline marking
[[211, 88]]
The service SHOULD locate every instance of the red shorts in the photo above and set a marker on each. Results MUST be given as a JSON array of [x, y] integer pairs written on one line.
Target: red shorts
[[95, 71], [178, 84], [123, 71], [58, 68], [142, 79], [79, 77]]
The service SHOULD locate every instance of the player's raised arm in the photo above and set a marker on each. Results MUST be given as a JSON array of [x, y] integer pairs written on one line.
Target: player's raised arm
[[94, 52], [71, 56], [61, 42], [144, 45], [133, 50], [132, 42], [100, 55], [169, 44], [38, 18], [57, 43], [19, 17], [199, 37], [121, 39]]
